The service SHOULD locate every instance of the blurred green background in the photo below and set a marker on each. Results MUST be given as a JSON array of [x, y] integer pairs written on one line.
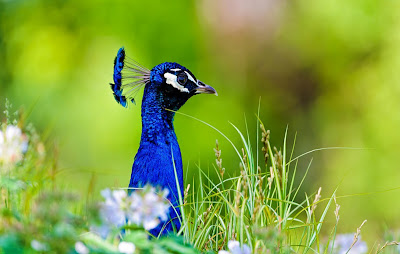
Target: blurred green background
[[328, 69]]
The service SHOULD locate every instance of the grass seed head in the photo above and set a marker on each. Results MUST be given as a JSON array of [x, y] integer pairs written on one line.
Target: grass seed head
[[244, 182], [206, 214], [265, 141], [357, 234], [278, 158], [336, 209], [237, 198], [387, 244], [185, 194], [244, 156], [218, 159], [316, 199], [271, 177]]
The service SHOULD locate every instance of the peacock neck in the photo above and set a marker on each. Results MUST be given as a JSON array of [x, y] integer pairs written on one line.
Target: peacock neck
[[157, 122]]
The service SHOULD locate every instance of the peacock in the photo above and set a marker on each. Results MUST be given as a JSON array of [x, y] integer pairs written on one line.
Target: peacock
[[158, 160]]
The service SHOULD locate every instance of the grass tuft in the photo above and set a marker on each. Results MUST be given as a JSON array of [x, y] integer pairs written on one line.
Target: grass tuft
[[257, 207]]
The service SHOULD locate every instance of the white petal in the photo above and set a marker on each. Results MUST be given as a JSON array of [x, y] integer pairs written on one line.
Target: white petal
[[119, 195], [246, 249], [13, 132], [106, 193], [150, 223], [38, 246], [150, 198], [112, 215], [126, 247], [135, 218], [135, 201], [165, 193], [232, 245], [80, 248]]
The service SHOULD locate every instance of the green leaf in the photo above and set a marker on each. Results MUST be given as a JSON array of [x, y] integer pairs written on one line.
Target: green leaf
[[140, 239], [176, 245]]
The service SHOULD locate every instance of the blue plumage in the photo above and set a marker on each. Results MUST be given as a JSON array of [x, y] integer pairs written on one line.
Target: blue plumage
[[167, 87], [137, 75], [118, 66]]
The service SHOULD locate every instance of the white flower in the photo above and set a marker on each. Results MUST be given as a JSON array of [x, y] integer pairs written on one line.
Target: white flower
[[13, 144], [148, 208], [38, 246], [234, 248], [126, 247], [343, 243], [143, 207], [114, 208], [80, 248]]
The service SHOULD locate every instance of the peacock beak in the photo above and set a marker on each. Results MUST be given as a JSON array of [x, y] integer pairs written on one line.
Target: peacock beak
[[203, 88]]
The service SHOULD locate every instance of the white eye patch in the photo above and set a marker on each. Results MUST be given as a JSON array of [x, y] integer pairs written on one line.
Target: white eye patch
[[171, 80], [191, 78], [187, 73]]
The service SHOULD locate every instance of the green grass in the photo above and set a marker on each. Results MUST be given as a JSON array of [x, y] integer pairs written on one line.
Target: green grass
[[258, 207], [262, 206]]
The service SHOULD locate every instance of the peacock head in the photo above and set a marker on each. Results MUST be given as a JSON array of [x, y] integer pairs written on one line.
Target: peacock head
[[171, 83]]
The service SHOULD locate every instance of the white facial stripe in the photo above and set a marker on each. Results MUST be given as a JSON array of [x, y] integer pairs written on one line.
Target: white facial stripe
[[171, 80], [191, 78], [177, 69]]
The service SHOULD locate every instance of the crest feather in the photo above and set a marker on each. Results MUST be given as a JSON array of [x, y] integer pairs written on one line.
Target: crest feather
[[129, 76]]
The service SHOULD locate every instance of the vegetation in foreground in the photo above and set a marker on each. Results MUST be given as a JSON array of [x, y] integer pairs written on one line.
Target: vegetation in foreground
[[255, 212]]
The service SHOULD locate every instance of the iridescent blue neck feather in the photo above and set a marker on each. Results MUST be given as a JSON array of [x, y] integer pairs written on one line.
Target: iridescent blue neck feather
[[159, 156]]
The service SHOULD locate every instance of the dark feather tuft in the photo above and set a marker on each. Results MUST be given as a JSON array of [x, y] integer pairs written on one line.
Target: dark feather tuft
[[129, 76]]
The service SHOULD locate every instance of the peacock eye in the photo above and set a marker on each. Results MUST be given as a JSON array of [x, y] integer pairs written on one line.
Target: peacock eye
[[182, 78]]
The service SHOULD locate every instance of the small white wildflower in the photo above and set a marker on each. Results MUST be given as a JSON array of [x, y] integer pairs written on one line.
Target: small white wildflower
[[143, 207], [38, 246], [80, 248], [148, 208], [114, 208], [13, 144], [234, 248], [343, 243], [113, 211], [126, 247]]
